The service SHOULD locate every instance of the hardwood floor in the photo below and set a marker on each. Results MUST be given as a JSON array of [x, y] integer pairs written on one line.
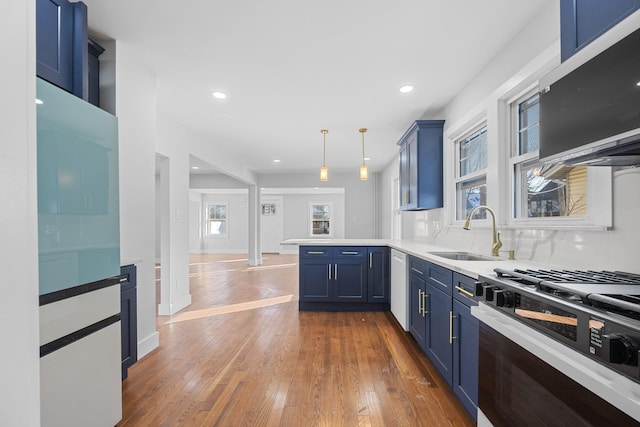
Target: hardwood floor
[[243, 355]]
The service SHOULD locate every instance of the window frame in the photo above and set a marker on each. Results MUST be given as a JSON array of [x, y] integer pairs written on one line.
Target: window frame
[[331, 219], [457, 139], [206, 233], [599, 182]]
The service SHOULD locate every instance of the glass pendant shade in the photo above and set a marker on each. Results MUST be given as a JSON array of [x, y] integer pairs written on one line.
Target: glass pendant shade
[[324, 172], [364, 173]]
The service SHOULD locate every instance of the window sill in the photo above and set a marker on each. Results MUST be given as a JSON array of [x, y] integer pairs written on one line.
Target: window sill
[[536, 226], [555, 226]]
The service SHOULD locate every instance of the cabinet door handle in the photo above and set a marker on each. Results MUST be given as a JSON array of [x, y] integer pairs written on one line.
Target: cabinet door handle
[[464, 291], [370, 260], [425, 295], [315, 253], [419, 301], [329, 268], [417, 271], [451, 337], [335, 272], [350, 253]]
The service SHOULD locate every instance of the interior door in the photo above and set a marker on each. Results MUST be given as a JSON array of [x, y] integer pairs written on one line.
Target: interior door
[[271, 224]]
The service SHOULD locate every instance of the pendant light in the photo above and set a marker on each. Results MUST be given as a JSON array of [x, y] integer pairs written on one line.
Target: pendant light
[[364, 173], [324, 172]]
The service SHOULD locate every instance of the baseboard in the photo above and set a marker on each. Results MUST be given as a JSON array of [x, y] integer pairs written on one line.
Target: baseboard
[[289, 252], [148, 344], [224, 251], [176, 306]]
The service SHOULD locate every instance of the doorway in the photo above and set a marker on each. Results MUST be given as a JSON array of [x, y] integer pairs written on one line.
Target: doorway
[[271, 224]]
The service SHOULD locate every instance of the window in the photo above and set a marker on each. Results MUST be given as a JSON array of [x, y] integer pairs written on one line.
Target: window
[[216, 222], [542, 190], [321, 219], [471, 180], [268, 209]]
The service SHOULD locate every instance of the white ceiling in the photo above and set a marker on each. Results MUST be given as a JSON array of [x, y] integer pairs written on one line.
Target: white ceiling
[[291, 68]]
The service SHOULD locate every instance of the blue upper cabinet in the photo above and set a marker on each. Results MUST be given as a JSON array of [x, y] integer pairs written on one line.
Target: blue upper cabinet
[[421, 166], [582, 21], [62, 45]]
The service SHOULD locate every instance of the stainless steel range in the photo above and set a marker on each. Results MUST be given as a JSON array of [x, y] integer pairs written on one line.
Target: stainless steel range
[[525, 374], [596, 313]]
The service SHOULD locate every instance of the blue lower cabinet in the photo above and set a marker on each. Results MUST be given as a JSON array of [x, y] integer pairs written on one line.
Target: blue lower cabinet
[[128, 317], [465, 357], [442, 325], [379, 274], [339, 278], [314, 280], [418, 310], [439, 344]]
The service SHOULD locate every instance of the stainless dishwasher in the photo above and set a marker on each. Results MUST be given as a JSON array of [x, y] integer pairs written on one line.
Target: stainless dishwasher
[[399, 291]]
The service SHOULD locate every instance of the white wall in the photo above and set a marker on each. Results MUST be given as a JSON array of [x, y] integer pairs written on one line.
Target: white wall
[[174, 216], [237, 238], [295, 208], [535, 48], [19, 321], [136, 111], [385, 202], [195, 222], [297, 222], [360, 198], [214, 181]]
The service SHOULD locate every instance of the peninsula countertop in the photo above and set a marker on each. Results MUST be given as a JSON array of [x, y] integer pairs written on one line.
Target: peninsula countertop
[[424, 251]]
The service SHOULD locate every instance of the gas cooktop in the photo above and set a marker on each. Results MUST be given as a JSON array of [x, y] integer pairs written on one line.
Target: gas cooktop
[[613, 291]]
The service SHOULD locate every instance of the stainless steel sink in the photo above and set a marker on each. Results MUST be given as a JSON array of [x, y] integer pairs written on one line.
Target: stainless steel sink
[[464, 256]]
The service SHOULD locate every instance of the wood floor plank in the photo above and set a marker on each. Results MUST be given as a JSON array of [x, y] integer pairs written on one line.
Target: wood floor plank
[[243, 355]]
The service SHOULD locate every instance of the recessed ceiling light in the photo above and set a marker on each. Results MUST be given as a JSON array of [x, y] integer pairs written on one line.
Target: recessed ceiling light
[[195, 167], [637, 84], [276, 161], [406, 89], [219, 95], [39, 101]]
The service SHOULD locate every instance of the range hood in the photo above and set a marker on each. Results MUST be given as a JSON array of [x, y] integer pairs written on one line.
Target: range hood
[[590, 104]]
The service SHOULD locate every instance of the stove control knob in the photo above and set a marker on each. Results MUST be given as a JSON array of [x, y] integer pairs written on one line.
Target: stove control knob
[[504, 298], [480, 288], [488, 292], [621, 349]]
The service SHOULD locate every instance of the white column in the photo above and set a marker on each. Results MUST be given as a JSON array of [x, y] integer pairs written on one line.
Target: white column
[[255, 247]]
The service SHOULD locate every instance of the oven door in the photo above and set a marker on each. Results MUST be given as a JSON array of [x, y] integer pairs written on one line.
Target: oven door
[[518, 388]]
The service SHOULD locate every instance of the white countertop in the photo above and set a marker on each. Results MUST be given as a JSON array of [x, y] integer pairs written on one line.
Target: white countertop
[[421, 250]]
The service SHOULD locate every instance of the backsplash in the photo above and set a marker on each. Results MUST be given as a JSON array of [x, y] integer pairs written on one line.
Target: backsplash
[[580, 249]]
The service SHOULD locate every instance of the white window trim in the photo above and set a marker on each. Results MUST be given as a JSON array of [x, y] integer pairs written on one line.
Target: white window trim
[[455, 137], [599, 188], [331, 220], [206, 220]]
